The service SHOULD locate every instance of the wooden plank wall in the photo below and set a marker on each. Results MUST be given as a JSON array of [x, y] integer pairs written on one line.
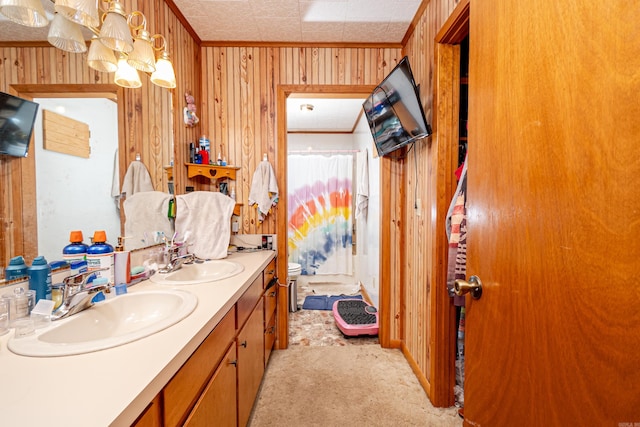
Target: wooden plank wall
[[239, 101], [153, 116], [423, 229]]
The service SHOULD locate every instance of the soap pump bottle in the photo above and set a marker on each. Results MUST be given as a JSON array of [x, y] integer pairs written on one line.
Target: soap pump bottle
[[122, 263], [100, 255]]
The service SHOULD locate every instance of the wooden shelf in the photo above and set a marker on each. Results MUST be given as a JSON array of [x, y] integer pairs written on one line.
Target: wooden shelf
[[211, 171]]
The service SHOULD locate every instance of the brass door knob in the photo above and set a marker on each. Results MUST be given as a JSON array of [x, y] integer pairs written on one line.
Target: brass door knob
[[473, 286]]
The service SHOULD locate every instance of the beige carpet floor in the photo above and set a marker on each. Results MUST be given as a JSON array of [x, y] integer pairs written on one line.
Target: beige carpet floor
[[362, 385]]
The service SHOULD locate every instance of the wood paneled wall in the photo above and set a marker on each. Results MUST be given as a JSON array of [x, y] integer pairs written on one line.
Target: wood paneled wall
[[152, 120], [423, 248], [239, 103]]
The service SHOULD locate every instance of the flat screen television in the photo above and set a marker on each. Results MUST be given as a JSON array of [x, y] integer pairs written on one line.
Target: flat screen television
[[394, 111], [17, 117]]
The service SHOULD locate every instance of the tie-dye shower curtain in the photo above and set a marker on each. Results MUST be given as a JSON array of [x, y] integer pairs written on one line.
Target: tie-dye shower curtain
[[319, 208]]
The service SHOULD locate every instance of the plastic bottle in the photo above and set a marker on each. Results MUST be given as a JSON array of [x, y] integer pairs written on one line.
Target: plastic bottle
[[40, 278], [16, 268], [100, 255], [77, 249], [122, 264]]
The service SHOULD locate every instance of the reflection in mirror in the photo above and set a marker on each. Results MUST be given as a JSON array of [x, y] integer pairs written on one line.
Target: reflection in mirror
[[29, 214], [76, 171]]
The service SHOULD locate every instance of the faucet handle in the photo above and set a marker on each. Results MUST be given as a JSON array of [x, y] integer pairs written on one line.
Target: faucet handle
[[81, 278]]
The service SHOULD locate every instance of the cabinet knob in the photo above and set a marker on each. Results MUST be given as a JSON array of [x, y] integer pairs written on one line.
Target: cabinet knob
[[272, 294], [244, 344], [234, 363]]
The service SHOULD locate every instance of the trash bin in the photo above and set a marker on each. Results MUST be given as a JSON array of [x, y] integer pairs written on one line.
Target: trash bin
[[293, 296]]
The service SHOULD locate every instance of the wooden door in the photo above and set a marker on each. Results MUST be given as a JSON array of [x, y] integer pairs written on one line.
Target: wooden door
[[554, 214]]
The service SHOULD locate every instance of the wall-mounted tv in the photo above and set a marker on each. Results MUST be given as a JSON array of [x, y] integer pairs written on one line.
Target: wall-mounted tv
[[394, 111], [17, 117]]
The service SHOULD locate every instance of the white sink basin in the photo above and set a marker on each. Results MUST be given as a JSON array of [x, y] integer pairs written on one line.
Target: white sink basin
[[107, 324], [209, 271]]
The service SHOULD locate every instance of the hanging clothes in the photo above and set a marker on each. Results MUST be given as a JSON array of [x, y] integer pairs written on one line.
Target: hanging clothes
[[456, 227], [362, 194], [264, 189]]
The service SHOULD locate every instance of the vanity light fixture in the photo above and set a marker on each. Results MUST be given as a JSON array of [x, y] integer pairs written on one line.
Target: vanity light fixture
[[117, 34]]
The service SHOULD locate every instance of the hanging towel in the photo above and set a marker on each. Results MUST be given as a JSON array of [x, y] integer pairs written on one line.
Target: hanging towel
[[264, 189], [115, 182], [145, 215], [362, 194], [136, 179], [206, 217]]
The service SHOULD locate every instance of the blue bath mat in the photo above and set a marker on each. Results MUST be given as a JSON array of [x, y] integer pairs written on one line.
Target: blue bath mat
[[324, 302]]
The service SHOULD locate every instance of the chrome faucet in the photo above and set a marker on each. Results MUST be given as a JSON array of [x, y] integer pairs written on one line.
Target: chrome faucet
[[176, 261], [77, 294]]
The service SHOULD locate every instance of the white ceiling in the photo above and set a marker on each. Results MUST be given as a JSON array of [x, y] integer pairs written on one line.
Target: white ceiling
[[328, 115], [287, 21]]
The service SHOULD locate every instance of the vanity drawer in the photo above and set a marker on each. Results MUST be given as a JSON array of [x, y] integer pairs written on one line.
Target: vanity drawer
[[270, 302], [269, 338], [185, 387], [269, 272], [248, 301]]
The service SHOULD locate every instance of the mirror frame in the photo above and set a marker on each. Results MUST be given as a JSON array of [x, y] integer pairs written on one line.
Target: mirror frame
[[23, 210]]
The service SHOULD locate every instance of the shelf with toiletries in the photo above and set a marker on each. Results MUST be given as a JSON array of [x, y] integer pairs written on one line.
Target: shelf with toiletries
[[211, 171]]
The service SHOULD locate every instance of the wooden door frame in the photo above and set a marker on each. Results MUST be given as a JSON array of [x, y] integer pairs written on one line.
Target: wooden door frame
[[283, 92], [446, 124]]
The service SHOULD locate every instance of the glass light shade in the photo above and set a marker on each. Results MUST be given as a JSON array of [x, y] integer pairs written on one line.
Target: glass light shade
[[142, 58], [115, 32], [66, 35], [101, 58], [164, 76], [83, 12], [126, 75], [24, 12]]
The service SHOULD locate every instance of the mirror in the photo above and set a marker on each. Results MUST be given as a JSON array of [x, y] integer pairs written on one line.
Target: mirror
[[105, 93], [74, 179]]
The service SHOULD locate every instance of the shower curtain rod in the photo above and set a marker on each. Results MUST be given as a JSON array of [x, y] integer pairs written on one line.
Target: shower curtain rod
[[321, 151]]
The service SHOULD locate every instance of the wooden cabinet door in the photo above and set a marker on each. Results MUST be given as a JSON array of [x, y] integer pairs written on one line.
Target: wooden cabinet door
[[553, 214], [152, 415], [217, 404], [250, 344]]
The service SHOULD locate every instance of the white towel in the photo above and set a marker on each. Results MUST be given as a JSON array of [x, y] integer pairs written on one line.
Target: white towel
[[264, 189], [205, 217], [146, 214], [115, 182], [362, 193], [136, 179]]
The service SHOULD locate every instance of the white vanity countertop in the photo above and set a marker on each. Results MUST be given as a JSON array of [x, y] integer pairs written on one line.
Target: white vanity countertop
[[113, 386]]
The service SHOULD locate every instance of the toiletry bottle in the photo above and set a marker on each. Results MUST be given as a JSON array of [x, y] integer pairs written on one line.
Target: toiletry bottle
[[205, 151], [16, 268], [40, 278], [77, 249], [100, 255], [122, 264]]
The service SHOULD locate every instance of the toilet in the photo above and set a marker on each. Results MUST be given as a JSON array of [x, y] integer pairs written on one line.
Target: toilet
[[293, 272]]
